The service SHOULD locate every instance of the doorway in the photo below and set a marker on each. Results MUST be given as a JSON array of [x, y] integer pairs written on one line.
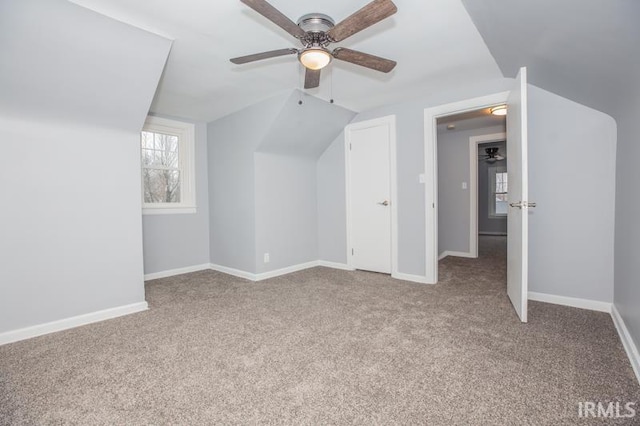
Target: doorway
[[516, 102], [470, 145], [370, 166], [489, 186]]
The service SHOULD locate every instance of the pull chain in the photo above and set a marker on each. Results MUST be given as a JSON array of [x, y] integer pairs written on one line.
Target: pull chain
[[331, 86], [301, 81]]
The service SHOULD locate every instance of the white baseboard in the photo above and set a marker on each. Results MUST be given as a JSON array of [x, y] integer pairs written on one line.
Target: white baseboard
[[177, 271], [283, 271], [232, 271], [335, 265], [410, 277], [627, 341], [456, 254], [592, 305], [264, 275], [496, 234], [67, 323]]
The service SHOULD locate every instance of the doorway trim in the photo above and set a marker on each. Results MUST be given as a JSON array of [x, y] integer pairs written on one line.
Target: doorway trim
[[474, 142], [431, 170], [390, 122]]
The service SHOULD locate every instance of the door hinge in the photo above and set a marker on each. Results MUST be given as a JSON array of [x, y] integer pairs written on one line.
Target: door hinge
[[351, 252], [349, 147]]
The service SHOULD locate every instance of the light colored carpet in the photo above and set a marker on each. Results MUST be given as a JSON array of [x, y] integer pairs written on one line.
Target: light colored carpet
[[323, 346]]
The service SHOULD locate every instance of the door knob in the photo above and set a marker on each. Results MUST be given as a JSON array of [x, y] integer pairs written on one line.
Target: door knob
[[384, 203], [523, 204]]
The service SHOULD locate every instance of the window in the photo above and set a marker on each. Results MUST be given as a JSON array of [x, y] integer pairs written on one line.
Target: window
[[168, 175], [498, 191]]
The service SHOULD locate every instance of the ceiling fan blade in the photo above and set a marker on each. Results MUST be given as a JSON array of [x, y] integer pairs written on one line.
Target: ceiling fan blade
[[364, 59], [372, 13], [275, 16], [311, 78], [263, 55]]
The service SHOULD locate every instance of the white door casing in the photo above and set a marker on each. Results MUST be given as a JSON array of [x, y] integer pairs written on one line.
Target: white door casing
[[517, 224], [518, 217], [431, 170], [371, 200]]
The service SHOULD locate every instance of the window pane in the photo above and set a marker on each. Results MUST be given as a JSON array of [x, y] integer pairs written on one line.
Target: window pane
[[146, 139], [158, 159], [166, 142], [501, 204], [170, 159], [147, 157], [161, 186], [172, 143]]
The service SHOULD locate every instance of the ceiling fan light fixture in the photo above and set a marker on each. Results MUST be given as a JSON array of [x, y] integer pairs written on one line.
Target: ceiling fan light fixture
[[499, 110], [315, 58]]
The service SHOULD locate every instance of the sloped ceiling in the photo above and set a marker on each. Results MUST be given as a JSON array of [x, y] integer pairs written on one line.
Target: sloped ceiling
[[64, 62], [306, 129], [434, 42], [584, 50]]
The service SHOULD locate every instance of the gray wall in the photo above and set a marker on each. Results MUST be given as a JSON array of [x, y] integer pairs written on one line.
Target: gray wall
[[627, 248], [572, 151], [593, 60], [286, 184], [69, 120], [232, 142], [493, 225], [173, 241], [454, 209], [332, 203], [286, 211], [262, 181], [410, 157], [568, 165]]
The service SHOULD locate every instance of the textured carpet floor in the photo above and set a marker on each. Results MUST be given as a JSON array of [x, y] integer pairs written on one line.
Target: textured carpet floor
[[323, 346]]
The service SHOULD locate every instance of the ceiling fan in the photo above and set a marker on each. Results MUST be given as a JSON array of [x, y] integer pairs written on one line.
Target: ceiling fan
[[491, 155], [317, 31]]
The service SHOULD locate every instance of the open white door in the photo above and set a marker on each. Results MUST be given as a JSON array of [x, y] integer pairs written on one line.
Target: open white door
[[517, 219]]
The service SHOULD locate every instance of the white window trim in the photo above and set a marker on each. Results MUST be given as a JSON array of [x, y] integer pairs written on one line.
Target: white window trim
[[186, 146], [492, 191]]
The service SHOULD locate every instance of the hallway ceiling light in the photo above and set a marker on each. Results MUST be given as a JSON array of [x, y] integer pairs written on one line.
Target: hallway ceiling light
[[315, 58], [499, 110]]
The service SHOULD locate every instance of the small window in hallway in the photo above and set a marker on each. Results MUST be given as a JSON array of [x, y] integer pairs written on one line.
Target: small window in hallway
[[498, 196]]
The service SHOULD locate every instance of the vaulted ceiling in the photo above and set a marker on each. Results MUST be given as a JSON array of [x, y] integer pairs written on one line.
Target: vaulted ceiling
[[585, 50], [434, 42]]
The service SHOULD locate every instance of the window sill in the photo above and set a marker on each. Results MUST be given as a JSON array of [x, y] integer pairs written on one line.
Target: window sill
[[168, 210]]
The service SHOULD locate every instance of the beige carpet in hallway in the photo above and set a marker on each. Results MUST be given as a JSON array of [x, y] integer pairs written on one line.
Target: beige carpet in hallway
[[323, 346]]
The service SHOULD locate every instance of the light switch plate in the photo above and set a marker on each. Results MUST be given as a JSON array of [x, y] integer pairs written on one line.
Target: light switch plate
[[421, 178]]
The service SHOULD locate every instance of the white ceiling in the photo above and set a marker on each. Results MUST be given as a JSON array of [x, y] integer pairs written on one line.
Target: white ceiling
[[435, 43], [471, 120]]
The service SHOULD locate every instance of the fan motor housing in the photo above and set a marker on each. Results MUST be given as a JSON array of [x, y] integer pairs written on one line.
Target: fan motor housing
[[316, 23]]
